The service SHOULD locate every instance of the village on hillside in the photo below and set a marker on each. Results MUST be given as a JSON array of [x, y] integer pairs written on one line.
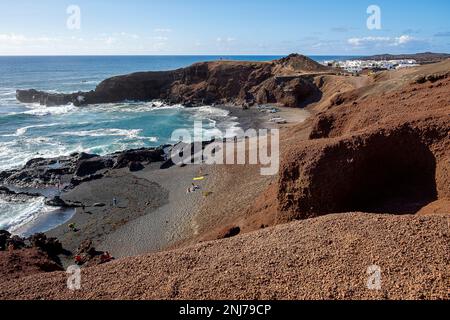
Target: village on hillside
[[358, 66]]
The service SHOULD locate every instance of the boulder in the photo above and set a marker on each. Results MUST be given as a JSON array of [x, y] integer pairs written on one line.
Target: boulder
[[135, 166], [56, 202], [230, 232]]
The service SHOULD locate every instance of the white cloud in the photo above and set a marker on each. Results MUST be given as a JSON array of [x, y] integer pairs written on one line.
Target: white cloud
[[404, 39], [376, 41], [162, 30], [127, 35], [160, 38], [225, 40], [110, 40], [19, 39]]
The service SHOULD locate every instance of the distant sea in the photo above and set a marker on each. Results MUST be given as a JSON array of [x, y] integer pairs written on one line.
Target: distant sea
[[29, 130]]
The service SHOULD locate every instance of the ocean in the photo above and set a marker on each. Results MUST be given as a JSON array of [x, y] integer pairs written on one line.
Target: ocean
[[29, 130]]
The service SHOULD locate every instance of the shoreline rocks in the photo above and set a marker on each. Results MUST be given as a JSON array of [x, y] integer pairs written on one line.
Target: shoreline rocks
[[70, 171]]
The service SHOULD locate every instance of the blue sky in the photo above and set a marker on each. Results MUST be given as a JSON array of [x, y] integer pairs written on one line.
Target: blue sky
[[278, 27]]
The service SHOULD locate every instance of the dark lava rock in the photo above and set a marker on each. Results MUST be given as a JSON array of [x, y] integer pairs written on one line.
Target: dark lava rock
[[49, 245], [21, 257], [15, 242], [232, 232], [199, 84], [4, 236], [135, 166], [91, 166], [85, 156], [140, 155], [56, 202], [50, 99]]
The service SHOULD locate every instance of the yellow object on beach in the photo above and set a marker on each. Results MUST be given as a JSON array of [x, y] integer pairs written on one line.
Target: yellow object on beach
[[199, 178]]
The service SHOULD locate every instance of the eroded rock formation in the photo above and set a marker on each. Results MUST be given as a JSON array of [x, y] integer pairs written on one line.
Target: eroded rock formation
[[287, 81], [382, 149], [20, 257]]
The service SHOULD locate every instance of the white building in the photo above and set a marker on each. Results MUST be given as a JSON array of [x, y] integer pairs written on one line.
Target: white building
[[356, 66]]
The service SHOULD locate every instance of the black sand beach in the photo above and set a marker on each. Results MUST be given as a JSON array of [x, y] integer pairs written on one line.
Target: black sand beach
[[153, 210]]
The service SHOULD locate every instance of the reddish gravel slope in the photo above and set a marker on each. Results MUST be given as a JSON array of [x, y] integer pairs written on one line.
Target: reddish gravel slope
[[323, 258]]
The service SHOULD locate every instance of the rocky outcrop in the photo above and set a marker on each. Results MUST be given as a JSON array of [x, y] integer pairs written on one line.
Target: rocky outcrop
[[75, 169], [90, 166], [20, 257], [49, 99], [286, 81], [126, 158], [41, 172]]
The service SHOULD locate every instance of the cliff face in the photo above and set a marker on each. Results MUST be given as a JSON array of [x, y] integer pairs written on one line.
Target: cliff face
[[288, 81], [382, 148]]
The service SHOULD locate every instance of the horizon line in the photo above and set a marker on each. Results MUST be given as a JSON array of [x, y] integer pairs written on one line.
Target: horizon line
[[174, 55], [213, 55]]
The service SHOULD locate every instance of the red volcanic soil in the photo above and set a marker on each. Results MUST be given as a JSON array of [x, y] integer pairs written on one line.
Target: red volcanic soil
[[21, 263], [381, 147], [323, 258]]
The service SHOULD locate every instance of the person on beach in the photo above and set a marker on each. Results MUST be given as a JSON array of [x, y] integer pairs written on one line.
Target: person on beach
[[114, 202], [193, 188]]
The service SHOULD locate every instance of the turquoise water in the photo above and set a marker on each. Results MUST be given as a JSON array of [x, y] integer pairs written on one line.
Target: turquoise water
[[30, 131]]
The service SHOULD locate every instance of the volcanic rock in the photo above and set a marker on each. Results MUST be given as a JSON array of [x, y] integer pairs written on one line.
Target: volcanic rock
[[135, 166], [289, 82], [92, 165], [386, 154]]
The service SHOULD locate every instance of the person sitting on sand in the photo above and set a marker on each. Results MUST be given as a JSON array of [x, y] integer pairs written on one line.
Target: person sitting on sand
[[193, 188]]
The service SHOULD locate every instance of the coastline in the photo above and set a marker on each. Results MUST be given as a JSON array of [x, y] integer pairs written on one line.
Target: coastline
[[330, 178], [153, 212]]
